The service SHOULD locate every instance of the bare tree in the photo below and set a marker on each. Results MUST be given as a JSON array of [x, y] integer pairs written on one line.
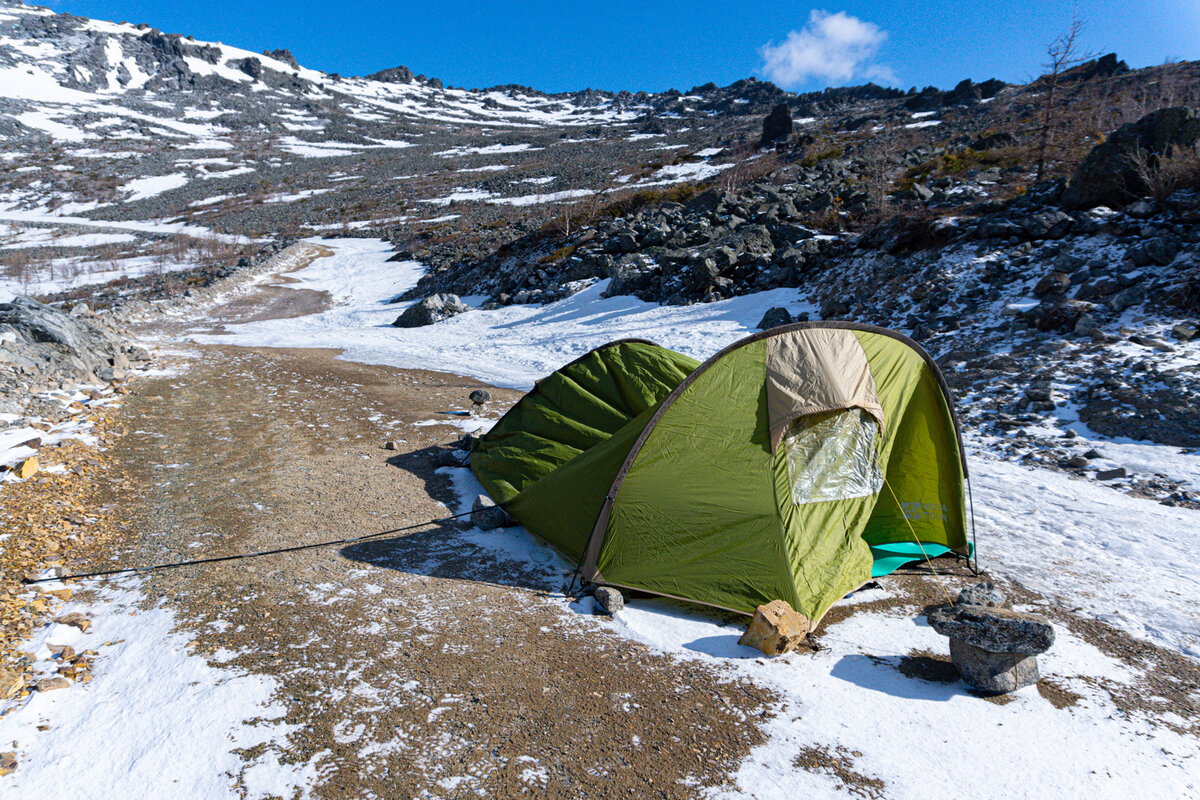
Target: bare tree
[[1064, 54], [1160, 175]]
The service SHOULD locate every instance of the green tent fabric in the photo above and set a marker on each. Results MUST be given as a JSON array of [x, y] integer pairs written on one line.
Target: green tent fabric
[[769, 471]]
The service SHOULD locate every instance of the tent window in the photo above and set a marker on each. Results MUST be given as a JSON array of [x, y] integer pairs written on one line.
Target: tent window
[[831, 456]]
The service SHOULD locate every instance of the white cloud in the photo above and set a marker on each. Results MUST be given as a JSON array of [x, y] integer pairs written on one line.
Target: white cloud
[[835, 47]]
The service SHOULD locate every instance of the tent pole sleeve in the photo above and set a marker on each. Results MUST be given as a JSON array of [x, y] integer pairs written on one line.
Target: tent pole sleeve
[[591, 555]]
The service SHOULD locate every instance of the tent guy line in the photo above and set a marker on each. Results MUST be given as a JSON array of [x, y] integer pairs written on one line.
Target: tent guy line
[[239, 556]]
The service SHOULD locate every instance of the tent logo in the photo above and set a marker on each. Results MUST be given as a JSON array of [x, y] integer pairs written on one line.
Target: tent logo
[[929, 512]]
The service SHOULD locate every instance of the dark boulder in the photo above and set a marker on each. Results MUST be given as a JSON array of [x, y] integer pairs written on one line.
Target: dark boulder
[[1107, 175], [774, 318], [777, 125], [399, 74]]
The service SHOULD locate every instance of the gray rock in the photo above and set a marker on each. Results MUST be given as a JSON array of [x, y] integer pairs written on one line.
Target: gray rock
[[480, 396], [1184, 332], [1159, 250], [1111, 474], [774, 318], [993, 673], [1052, 224], [997, 630], [429, 310], [981, 594], [1107, 177], [486, 515], [624, 242], [610, 599], [1126, 298]]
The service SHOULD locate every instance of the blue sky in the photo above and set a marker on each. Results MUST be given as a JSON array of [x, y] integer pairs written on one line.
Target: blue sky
[[558, 46]]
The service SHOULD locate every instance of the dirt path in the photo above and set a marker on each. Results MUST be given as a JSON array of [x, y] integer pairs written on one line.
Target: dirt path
[[415, 665]]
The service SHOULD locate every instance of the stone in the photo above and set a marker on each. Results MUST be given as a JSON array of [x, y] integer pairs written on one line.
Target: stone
[[1184, 332], [1111, 474], [610, 599], [27, 468], [429, 310], [480, 396], [1052, 224], [997, 630], [776, 628], [776, 125], [391, 445], [1126, 298], [8, 763], [993, 673], [50, 684], [774, 318], [1160, 250], [75, 620], [624, 242], [11, 683], [486, 515], [981, 594]]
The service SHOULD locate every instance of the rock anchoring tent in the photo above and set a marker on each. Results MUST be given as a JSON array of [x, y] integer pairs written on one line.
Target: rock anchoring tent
[[794, 464]]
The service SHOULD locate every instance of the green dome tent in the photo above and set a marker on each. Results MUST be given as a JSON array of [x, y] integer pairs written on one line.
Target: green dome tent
[[790, 465]]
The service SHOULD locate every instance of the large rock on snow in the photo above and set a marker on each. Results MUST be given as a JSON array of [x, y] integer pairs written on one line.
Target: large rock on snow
[[429, 310], [610, 599], [993, 673], [486, 515], [774, 318], [776, 628], [997, 630], [994, 649], [1107, 176]]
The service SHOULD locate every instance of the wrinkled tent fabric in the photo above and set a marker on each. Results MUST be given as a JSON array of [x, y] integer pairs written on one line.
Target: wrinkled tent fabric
[[814, 370], [657, 473]]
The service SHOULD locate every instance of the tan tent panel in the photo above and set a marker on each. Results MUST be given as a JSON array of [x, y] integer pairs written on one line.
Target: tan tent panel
[[814, 370]]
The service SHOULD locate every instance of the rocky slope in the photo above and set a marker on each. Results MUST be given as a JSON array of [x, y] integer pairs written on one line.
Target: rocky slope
[[1046, 254]]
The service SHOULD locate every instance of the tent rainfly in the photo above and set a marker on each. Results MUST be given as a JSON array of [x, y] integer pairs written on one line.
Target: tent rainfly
[[794, 464]]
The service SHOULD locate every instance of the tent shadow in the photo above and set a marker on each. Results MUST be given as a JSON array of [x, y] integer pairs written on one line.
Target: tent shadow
[[443, 551], [452, 549], [723, 647], [887, 675]]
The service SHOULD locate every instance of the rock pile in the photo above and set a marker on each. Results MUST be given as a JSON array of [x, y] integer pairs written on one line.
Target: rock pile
[[44, 348], [995, 649]]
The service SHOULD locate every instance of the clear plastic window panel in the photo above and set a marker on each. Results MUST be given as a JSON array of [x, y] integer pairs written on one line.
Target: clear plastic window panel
[[831, 456]]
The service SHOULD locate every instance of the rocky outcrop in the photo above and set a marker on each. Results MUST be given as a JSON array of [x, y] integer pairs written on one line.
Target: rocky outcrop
[[776, 126], [48, 345], [1108, 175]]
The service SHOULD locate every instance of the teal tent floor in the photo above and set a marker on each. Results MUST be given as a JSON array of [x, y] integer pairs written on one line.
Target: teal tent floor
[[890, 557]]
